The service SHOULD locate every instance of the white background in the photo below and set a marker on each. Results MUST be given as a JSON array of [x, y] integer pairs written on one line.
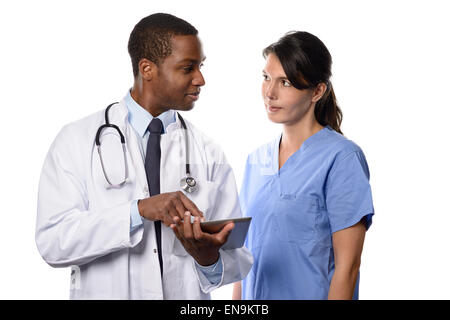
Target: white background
[[61, 61]]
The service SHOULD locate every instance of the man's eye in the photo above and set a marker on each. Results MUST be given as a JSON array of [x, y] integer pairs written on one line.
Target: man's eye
[[265, 77], [188, 69]]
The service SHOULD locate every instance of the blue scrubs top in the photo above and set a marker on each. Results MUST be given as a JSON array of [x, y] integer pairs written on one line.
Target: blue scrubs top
[[322, 188]]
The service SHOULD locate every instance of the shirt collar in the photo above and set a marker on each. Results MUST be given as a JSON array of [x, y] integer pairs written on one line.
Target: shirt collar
[[140, 118]]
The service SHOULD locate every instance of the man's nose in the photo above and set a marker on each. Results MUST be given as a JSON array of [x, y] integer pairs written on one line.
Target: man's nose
[[198, 79]]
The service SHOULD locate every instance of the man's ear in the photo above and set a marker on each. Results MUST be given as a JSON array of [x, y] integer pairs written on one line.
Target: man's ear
[[147, 69], [319, 91]]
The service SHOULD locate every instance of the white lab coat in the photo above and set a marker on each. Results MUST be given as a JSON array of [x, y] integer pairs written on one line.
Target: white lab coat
[[83, 224]]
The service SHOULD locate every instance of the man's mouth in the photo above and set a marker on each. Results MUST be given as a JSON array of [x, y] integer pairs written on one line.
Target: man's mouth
[[194, 95]]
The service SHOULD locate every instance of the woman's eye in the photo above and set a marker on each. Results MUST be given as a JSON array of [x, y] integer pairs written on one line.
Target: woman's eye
[[285, 83], [265, 77]]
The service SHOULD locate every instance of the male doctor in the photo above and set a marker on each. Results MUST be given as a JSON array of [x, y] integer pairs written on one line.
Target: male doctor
[[117, 215]]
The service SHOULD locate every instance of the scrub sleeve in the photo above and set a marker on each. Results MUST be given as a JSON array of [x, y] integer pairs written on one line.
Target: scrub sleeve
[[348, 193]]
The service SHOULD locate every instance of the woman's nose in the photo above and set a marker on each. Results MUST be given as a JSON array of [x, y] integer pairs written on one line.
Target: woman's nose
[[269, 92]]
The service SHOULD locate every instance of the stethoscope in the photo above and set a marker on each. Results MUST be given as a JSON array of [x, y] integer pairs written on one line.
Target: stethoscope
[[187, 183]]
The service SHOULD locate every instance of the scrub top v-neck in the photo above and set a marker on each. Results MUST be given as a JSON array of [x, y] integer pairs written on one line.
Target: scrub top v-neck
[[322, 188]]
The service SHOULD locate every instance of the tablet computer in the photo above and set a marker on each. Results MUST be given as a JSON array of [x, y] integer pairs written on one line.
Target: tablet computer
[[237, 236]]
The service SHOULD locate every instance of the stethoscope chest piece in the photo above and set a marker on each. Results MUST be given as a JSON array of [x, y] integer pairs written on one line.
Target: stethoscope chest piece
[[188, 184]]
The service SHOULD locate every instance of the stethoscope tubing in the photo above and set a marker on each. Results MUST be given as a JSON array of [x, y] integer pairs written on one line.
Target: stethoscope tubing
[[184, 182]]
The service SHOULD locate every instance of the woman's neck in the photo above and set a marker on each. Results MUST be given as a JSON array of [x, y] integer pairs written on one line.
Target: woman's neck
[[296, 134]]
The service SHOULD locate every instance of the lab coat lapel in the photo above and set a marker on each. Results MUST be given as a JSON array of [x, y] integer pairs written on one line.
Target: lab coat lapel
[[119, 116], [172, 169], [172, 152]]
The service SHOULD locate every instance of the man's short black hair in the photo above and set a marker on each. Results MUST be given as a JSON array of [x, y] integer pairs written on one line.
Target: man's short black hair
[[151, 38]]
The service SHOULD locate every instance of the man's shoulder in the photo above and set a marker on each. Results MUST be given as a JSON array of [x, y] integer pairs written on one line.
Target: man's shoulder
[[73, 135], [84, 126], [91, 120]]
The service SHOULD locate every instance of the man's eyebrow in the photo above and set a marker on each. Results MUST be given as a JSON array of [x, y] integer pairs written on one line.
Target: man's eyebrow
[[194, 61]]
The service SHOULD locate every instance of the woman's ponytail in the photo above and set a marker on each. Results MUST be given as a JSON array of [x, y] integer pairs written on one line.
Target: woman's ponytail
[[327, 111]]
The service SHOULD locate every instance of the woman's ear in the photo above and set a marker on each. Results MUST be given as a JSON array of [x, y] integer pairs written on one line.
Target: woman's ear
[[319, 91]]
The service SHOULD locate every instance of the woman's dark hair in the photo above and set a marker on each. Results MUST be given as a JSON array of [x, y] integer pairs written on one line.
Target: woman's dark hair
[[151, 38], [307, 62]]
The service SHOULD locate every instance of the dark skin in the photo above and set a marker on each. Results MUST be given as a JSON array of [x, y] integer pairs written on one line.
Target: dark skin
[[175, 84]]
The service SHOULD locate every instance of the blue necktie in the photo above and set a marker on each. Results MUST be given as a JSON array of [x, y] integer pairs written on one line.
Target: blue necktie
[[152, 168]]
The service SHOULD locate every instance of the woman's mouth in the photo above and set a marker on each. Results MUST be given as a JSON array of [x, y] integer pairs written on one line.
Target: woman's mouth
[[273, 109]]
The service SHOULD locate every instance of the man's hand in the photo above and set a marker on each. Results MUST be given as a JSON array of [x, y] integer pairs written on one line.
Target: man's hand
[[203, 247], [166, 206]]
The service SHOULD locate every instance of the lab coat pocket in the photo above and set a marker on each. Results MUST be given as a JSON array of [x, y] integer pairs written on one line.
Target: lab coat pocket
[[178, 248], [204, 198], [295, 218]]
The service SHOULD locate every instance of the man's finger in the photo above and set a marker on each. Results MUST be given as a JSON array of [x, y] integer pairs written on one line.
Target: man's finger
[[177, 233], [199, 235], [173, 226], [188, 233], [169, 215], [222, 236], [179, 207], [190, 206]]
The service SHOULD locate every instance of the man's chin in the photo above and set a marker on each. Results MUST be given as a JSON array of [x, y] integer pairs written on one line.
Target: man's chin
[[185, 107]]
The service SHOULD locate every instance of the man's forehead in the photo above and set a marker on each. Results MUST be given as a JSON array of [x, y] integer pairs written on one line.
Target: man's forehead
[[187, 47]]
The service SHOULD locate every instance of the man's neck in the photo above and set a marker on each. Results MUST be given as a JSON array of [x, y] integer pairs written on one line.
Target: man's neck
[[146, 100]]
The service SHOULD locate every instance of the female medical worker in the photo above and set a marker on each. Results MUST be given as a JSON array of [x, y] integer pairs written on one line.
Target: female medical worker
[[308, 190]]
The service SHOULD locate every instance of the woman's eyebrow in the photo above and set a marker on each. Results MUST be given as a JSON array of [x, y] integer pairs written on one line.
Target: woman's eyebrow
[[280, 77]]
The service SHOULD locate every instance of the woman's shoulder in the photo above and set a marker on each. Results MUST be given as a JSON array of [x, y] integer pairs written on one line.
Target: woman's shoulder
[[340, 148], [340, 144]]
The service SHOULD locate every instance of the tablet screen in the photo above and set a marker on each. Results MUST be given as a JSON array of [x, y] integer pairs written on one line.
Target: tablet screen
[[237, 236]]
